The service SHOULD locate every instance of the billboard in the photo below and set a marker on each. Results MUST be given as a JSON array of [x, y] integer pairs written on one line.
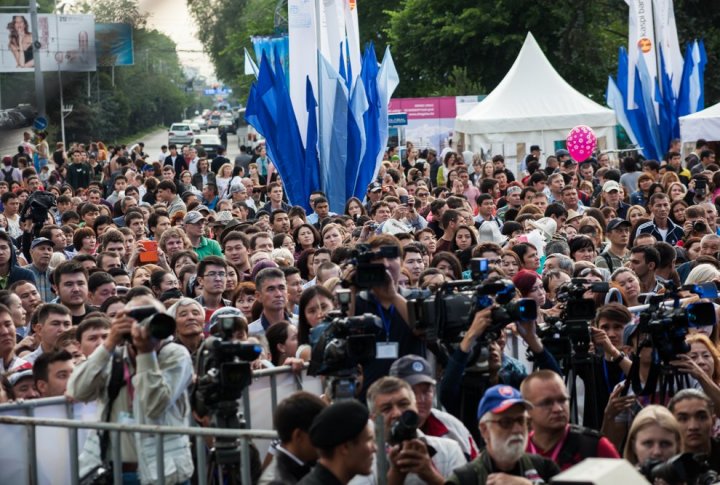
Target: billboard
[[114, 45], [67, 43]]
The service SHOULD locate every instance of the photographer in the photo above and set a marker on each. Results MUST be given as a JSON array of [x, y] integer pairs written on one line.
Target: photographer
[[414, 457], [418, 373], [159, 373], [695, 413], [459, 398], [395, 338]]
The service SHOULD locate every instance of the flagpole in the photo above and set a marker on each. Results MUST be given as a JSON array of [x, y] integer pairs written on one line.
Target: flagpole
[[658, 46], [318, 42]]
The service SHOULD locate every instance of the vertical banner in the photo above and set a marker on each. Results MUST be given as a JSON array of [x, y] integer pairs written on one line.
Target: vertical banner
[[302, 30], [67, 43], [353, 39], [333, 28], [641, 41]]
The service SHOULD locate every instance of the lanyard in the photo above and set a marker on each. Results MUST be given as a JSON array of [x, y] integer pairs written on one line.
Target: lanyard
[[556, 449], [607, 376], [128, 381], [386, 321]]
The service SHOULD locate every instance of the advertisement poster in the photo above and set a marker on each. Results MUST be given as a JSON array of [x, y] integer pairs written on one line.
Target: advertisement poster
[[431, 121], [67, 43], [114, 44]]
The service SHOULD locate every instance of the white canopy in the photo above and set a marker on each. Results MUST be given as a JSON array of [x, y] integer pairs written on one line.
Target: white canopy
[[703, 124], [533, 105]]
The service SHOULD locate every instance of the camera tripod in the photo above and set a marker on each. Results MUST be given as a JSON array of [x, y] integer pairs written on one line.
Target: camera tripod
[[227, 454], [663, 381]]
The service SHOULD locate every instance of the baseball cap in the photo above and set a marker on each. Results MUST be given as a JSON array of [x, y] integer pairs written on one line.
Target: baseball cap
[[572, 214], [610, 185], [413, 369], [223, 217], [562, 153], [193, 217], [227, 311], [20, 372], [237, 189], [40, 240], [512, 189], [500, 398], [617, 222], [201, 208], [374, 187]]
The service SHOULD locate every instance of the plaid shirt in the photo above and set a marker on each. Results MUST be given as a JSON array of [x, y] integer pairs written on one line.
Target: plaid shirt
[[42, 283]]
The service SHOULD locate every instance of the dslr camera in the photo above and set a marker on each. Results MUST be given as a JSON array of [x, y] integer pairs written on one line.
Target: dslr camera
[[684, 469], [368, 274]]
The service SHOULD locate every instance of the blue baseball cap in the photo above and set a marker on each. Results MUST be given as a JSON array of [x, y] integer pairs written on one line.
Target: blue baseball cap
[[500, 398]]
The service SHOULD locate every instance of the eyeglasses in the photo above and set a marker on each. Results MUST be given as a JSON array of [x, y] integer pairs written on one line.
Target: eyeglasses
[[215, 274], [550, 402], [424, 194], [509, 423]]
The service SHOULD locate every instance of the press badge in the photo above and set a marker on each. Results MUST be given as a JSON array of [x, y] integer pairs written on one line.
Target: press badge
[[386, 350], [125, 418]]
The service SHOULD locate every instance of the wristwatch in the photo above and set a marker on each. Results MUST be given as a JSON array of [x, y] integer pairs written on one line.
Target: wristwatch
[[619, 358]]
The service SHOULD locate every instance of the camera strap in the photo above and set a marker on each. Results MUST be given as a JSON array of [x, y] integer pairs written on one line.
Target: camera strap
[[386, 321]]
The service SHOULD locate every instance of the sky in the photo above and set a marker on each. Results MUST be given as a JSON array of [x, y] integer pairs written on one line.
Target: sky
[[172, 18]]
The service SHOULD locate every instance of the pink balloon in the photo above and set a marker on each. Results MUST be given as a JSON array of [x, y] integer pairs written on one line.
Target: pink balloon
[[581, 142]]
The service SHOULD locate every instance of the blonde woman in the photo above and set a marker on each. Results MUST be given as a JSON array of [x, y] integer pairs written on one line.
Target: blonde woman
[[635, 213], [223, 180], [654, 424]]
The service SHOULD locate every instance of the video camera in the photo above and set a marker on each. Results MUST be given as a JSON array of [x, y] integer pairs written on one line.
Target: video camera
[[404, 428], [667, 326], [36, 208], [568, 335], [224, 371], [684, 469], [447, 315], [368, 274], [345, 343]]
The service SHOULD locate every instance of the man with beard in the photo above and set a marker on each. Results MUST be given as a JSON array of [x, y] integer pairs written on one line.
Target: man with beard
[[552, 436], [504, 427]]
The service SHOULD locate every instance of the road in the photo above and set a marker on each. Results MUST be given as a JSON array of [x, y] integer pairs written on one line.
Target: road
[[157, 139], [9, 141]]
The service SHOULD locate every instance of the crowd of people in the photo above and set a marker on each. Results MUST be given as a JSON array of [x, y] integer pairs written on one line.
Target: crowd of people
[[206, 239]]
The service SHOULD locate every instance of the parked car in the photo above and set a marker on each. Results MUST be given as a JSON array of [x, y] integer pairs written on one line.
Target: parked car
[[180, 134], [210, 143]]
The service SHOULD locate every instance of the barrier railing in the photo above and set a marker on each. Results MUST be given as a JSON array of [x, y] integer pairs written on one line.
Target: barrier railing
[[115, 429]]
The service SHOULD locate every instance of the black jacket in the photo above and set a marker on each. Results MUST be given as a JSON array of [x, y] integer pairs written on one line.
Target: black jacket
[[320, 476]]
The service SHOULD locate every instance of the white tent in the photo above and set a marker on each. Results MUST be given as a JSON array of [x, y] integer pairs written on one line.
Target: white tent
[[703, 124], [532, 105]]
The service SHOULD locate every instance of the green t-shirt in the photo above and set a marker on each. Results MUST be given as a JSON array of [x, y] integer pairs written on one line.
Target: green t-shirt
[[208, 247]]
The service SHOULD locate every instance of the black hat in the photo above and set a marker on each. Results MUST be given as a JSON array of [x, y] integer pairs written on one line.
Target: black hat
[[338, 423], [617, 222]]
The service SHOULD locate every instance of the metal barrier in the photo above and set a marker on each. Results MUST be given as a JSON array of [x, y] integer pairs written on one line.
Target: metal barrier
[[115, 429], [262, 379]]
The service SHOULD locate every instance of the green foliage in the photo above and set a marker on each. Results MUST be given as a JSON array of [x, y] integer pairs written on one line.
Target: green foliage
[[225, 28]]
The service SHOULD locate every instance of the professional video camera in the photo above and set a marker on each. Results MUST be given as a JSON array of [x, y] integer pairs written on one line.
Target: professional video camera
[[345, 343], [368, 274], [684, 469], [568, 336], [36, 208], [224, 371], [666, 326], [447, 315]]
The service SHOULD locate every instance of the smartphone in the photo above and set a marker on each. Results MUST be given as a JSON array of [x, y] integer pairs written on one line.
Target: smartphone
[[404, 199], [700, 187], [150, 255]]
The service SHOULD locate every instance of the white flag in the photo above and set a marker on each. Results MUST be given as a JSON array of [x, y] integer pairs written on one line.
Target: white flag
[[641, 41], [302, 34], [667, 39]]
